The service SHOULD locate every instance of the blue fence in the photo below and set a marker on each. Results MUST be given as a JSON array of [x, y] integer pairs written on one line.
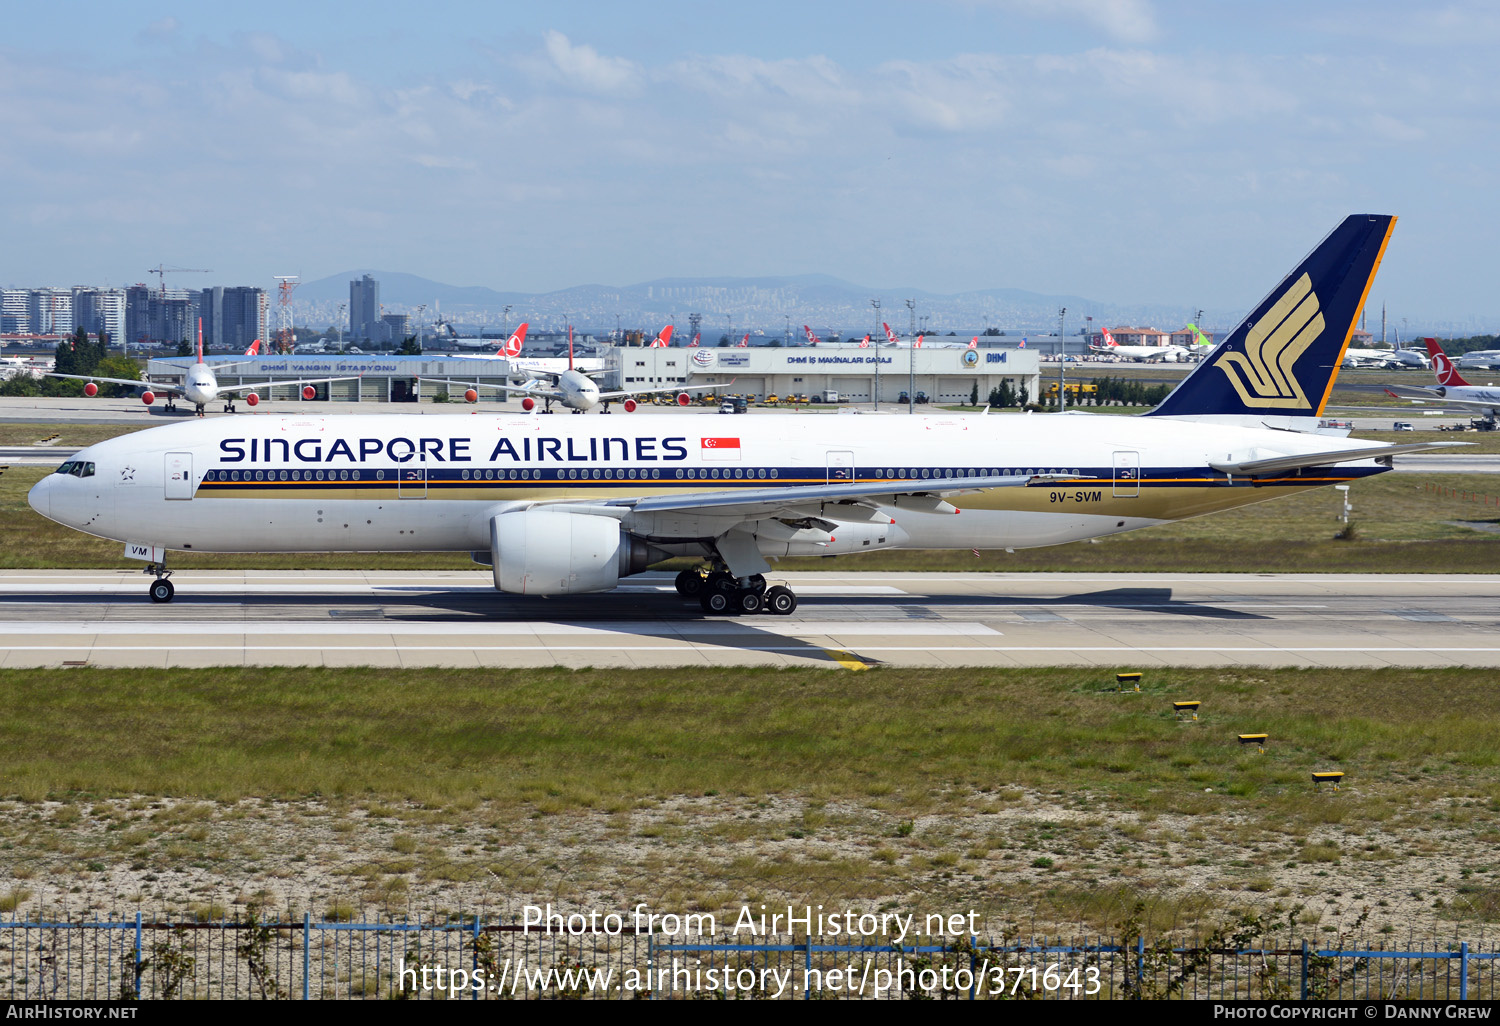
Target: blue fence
[[471, 958]]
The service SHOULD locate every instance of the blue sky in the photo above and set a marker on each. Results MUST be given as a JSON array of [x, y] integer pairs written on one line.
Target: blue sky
[[1124, 150]]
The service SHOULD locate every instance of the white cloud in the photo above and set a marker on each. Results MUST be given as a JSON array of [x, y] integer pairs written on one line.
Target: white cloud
[[584, 68], [1127, 21]]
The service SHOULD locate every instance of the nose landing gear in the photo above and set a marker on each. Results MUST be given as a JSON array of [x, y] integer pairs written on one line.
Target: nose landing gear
[[161, 589]]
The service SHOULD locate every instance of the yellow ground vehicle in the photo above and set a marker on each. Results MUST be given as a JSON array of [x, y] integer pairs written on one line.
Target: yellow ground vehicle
[[772, 400]]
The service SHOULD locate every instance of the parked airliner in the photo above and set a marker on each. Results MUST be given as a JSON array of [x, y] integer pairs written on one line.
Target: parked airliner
[[559, 506], [199, 385]]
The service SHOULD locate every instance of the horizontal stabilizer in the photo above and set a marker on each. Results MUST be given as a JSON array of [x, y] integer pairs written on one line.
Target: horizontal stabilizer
[[1277, 464]]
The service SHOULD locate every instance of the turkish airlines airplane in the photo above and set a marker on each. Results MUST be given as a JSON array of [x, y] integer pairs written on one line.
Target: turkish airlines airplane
[[566, 506], [1451, 387], [199, 385], [571, 387], [1140, 354]]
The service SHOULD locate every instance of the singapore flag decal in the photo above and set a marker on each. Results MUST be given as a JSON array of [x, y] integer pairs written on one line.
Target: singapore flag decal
[[720, 450]]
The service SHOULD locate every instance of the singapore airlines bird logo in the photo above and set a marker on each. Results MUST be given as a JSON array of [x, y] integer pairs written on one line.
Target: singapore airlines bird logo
[[1262, 374]]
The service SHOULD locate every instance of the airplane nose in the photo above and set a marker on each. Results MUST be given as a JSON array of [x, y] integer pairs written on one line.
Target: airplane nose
[[40, 497]]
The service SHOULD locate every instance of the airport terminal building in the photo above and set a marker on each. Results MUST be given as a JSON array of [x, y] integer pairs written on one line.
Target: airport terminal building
[[944, 375]]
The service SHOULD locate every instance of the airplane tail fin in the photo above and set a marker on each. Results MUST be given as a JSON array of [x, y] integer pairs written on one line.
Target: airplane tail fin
[[254, 349], [811, 338], [1282, 359], [744, 342], [1442, 366], [890, 336], [665, 338], [515, 342], [200, 339]]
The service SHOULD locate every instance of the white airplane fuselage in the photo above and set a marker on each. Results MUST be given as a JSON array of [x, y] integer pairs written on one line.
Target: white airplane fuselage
[[399, 483]]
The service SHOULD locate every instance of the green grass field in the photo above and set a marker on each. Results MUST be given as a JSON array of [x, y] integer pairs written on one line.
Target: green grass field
[[1037, 794]]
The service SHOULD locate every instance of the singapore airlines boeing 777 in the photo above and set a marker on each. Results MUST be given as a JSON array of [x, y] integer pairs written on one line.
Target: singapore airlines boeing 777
[[572, 504]]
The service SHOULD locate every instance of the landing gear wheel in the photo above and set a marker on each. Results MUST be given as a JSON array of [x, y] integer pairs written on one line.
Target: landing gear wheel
[[689, 583], [780, 601], [720, 603], [161, 590], [751, 602]]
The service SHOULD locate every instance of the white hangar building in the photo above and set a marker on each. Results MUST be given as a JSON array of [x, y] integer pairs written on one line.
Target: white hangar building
[[946, 375]]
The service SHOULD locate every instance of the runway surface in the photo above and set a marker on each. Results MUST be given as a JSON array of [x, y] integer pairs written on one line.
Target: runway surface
[[331, 618]]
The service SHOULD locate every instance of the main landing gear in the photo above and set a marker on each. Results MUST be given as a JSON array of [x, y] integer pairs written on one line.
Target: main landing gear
[[723, 594], [161, 589], [229, 406]]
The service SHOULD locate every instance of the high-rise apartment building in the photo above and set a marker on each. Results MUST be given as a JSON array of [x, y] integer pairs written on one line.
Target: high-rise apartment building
[[50, 311], [364, 308], [100, 311], [15, 319], [394, 327], [242, 317]]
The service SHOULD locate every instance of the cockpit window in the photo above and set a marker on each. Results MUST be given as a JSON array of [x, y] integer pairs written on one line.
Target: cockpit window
[[77, 468], [66, 468]]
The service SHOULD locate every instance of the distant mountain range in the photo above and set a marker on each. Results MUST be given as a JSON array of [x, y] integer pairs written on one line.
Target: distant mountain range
[[734, 305]]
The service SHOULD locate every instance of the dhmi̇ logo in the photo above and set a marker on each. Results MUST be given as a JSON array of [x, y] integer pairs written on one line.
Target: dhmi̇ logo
[[1262, 374]]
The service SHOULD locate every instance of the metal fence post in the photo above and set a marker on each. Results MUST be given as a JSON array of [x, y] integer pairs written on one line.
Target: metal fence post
[[1304, 970], [136, 968], [307, 956], [1463, 970], [807, 970], [475, 967], [1140, 967]]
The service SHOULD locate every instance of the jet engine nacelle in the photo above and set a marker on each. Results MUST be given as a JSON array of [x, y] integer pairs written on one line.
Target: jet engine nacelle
[[308, 392], [629, 405], [528, 404], [91, 390], [471, 396], [148, 397], [683, 399], [542, 552], [252, 399]]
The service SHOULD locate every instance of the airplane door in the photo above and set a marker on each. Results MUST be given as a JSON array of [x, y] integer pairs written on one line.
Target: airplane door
[[840, 467], [179, 475], [413, 483], [1127, 475]]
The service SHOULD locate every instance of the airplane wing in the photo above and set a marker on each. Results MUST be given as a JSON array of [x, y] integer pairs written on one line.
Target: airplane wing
[[298, 383], [1278, 464], [152, 385], [670, 388], [543, 393], [760, 502]]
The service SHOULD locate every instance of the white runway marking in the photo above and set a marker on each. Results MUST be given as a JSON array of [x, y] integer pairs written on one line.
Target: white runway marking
[[294, 628]]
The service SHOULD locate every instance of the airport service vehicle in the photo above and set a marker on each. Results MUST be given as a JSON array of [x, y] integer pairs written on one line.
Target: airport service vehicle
[[1452, 389], [199, 385], [558, 506]]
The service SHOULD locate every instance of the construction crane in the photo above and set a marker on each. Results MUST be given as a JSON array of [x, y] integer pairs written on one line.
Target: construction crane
[[162, 270]]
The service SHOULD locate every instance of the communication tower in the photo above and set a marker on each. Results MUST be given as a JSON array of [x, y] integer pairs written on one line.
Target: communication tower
[[286, 336]]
